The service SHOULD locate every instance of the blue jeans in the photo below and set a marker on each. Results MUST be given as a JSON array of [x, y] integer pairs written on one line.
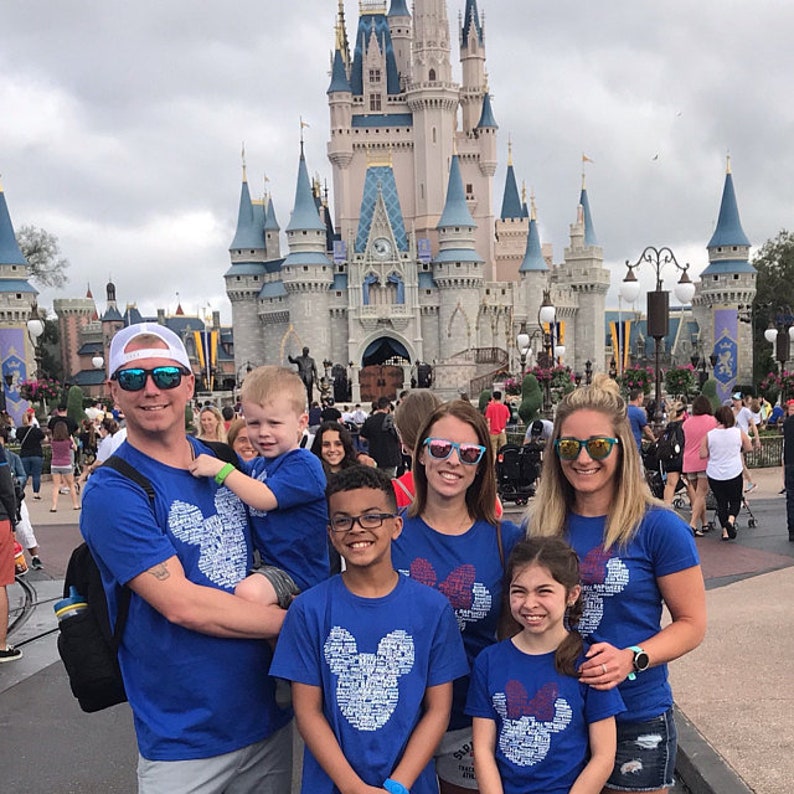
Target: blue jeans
[[645, 760], [33, 466]]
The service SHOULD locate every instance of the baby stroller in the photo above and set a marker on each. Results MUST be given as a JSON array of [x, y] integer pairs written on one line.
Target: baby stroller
[[517, 468], [711, 504], [656, 476]]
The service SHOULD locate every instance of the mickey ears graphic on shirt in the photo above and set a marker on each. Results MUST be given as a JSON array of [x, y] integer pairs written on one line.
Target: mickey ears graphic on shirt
[[541, 706], [457, 587], [394, 657]]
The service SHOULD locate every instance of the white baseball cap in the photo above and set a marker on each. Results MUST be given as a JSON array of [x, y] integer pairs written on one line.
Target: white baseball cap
[[119, 357]]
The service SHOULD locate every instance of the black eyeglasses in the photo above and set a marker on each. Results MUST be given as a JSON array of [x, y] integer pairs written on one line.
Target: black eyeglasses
[[441, 449], [163, 377], [365, 521], [598, 447]]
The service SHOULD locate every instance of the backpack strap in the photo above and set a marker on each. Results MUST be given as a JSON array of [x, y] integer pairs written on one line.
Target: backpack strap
[[223, 451], [127, 470], [403, 487], [499, 544]]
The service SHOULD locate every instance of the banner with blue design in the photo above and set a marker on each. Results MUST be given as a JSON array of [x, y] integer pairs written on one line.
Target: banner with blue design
[[14, 370], [726, 347]]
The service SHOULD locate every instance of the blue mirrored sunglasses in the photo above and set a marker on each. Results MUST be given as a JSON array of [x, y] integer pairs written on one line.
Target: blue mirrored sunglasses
[[135, 379]]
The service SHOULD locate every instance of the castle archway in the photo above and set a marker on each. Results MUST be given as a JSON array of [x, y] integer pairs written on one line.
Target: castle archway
[[383, 366]]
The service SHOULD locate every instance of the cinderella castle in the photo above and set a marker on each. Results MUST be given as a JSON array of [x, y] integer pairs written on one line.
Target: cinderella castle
[[409, 274], [413, 264]]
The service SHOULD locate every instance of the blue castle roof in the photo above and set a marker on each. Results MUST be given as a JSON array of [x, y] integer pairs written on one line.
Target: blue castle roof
[[487, 117], [304, 214], [589, 229], [10, 252], [533, 257], [399, 8], [339, 81], [271, 224], [729, 230], [249, 235], [367, 23], [456, 210], [380, 179], [511, 202], [471, 22]]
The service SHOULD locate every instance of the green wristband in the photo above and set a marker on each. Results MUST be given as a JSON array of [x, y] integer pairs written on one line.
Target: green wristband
[[225, 471]]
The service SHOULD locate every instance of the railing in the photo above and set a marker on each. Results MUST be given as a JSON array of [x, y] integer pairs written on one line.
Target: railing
[[770, 454], [488, 355]]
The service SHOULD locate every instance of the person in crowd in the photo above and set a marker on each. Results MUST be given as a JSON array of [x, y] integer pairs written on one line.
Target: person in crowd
[[333, 445], [211, 425], [743, 418], [315, 415], [29, 437], [379, 432], [330, 413], [59, 415], [212, 725], [638, 419], [497, 415], [788, 467], [238, 439], [673, 466], [284, 485], [111, 437], [369, 631], [409, 417], [695, 428], [539, 431], [8, 509], [62, 465], [723, 446], [227, 414], [23, 527], [87, 441], [525, 737], [359, 415], [453, 541], [636, 556]]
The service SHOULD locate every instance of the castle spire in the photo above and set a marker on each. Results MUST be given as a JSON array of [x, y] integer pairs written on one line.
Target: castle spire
[[729, 230], [456, 211], [304, 214], [10, 252], [533, 256], [590, 237], [247, 236], [511, 203]]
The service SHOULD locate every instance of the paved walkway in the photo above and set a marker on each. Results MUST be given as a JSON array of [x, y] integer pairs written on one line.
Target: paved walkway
[[735, 692]]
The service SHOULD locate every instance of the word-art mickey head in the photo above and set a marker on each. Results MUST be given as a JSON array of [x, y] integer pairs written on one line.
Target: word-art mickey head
[[366, 688], [603, 576], [527, 725]]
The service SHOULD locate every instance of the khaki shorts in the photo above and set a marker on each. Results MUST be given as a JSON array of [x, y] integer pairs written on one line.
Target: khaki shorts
[[455, 759], [694, 475]]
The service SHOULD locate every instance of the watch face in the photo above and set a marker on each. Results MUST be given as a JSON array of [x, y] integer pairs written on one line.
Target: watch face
[[641, 661], [381, 248]]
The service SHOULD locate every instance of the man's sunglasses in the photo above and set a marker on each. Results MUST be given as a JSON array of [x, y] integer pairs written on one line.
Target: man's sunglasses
[[441, 449], [598, 447], [163, 377]]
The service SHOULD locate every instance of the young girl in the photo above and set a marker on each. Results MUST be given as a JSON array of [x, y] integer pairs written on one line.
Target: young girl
[[536, 727]]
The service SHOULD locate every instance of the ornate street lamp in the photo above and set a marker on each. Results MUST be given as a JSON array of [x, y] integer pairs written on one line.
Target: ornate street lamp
[[658, 306], [588, 372], [523, 345], [781, 334], [35, 330], [98, 362], [546, 317]]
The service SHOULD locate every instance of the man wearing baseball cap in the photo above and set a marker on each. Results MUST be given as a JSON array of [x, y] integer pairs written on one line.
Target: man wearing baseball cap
[[193, 655]]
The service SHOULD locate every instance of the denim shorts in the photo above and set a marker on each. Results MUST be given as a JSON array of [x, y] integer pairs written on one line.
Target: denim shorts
[[645, 760]]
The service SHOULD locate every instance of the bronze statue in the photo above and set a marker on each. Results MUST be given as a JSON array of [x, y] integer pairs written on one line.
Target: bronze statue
[[307, 371]]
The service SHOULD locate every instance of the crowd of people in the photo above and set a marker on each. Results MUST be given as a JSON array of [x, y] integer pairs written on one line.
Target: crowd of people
[[430, 643]]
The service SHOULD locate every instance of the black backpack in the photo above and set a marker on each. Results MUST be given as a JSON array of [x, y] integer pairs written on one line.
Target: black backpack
[[87, 644], [670, 445]]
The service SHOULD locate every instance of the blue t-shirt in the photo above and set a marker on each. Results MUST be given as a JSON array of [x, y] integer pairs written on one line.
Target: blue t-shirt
[[468, 571], [295, 535], [542, 717], [373, 658], [192, 695], [622, 601], [637, 419]]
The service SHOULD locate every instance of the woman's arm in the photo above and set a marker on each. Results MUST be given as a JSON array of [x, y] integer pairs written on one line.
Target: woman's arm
[[603, 745], [307, 701], [704, 447], [426, 735], [485, 768], [747, 444]]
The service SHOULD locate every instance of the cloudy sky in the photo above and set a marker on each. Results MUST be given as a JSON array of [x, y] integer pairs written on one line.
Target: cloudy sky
[[121, 124]]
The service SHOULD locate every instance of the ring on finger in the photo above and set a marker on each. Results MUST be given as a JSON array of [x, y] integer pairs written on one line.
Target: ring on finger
[[604, 668]]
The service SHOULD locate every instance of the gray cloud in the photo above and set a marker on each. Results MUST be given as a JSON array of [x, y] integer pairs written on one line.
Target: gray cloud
[[121, 124]]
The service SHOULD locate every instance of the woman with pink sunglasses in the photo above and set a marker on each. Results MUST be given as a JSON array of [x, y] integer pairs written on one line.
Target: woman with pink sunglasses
[[452, 541]]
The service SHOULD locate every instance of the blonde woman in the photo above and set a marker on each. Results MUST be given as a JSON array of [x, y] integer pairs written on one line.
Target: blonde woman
[[211, 425], [636, 556]]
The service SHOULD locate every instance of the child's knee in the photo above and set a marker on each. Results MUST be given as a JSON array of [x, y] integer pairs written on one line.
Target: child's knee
[[256, 588]]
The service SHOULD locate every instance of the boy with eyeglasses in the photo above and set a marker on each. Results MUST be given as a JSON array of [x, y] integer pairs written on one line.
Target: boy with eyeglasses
[[207, 725], [371, 655]]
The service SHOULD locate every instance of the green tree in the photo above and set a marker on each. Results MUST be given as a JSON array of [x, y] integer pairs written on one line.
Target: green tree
[[43, 255], [484, 399], [531, 399], [74, 404], [774, 262], [710, 391]]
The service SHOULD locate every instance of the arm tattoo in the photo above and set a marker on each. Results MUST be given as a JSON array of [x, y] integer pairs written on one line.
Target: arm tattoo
[[160, 572]]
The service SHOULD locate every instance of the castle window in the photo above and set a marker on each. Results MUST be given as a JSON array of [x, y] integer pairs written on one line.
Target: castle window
[[306, 268], [374, 75], [735, 276], [432, 75], [375, 103], [469, 189], [434, 134]]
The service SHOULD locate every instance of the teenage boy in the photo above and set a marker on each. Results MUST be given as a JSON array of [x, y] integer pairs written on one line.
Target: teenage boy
[[284, 487], [371, 654]]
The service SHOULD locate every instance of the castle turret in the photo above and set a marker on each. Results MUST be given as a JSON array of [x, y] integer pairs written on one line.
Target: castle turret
[[472, 59], [728, 282], [307, 273], [511, 227], [458, 268], [400, 26], [533, 273]]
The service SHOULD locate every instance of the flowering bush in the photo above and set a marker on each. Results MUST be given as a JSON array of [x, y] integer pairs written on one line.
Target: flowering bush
[[511, 386], [638, 378], [36, 390], [559, 378], [681, 382]]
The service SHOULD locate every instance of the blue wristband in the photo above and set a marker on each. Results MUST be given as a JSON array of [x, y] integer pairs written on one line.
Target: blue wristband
[[394, 787]]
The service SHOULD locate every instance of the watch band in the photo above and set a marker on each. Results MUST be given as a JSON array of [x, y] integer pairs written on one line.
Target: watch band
[[635, 649]]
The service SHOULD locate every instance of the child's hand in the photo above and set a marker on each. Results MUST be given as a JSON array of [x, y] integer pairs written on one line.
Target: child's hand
[[205, 466]]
